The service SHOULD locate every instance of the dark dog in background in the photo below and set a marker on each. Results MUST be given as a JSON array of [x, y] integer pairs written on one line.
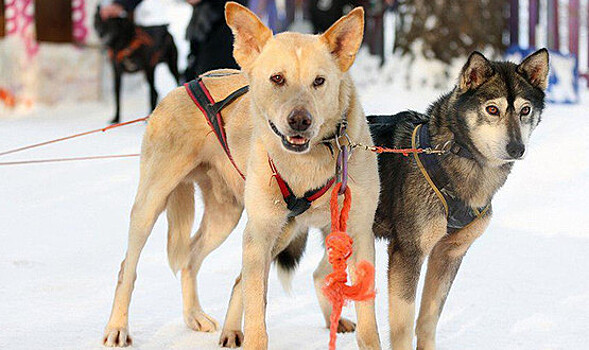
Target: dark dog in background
[[136, 48], [436, 205]]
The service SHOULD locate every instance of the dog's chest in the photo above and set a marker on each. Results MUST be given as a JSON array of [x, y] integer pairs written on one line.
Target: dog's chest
[[318, 215]]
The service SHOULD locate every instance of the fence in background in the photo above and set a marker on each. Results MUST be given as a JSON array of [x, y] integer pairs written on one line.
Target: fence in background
[[546, 17]]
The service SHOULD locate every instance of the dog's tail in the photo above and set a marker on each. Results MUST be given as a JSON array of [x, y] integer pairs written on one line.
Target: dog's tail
[[180, 212], [288, 259]]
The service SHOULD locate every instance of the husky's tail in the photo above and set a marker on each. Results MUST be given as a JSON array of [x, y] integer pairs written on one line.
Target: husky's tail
[[180, 212], [289, 258]]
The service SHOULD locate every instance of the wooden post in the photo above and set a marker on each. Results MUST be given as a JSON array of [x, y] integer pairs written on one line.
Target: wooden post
[[514, 23], [53, 21], [2, 19], [553, 32], [587, 71], [532, 22], [574, 27]]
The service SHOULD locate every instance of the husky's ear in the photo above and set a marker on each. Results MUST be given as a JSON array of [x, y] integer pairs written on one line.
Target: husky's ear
[[535, 68], [475, 72], [250, 33], [344, 37]]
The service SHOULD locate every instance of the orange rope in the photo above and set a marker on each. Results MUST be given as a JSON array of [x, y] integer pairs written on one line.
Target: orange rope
[[403, 151], [55, 160], [339, 249], [20, 149]]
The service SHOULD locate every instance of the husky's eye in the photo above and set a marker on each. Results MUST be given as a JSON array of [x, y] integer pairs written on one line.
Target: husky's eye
[[492, 110], [318, 81], [525, 111], [278, 79]]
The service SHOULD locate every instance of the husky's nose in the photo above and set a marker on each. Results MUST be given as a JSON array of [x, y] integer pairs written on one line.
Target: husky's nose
[[299, 119], [515, 149]]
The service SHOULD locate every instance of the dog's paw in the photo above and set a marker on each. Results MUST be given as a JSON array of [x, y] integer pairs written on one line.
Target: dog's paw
[[200, 322], [345, 326], [231, 339], [117, 337]]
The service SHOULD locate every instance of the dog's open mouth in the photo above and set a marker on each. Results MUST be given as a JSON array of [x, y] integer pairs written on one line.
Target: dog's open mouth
[[295, 143]]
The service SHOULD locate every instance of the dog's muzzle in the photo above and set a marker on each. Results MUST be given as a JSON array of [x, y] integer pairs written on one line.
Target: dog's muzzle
[[295, 143]]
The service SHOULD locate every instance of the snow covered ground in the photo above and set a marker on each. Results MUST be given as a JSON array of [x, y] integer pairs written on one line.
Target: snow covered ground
[[523, 285]]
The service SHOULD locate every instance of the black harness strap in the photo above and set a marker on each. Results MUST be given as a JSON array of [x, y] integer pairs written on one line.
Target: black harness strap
[[212, 111], [297, 205], [458, 213]]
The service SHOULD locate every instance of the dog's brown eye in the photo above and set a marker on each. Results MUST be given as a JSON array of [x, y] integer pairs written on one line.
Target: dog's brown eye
[[318, 81], [492, 110], [525, 111], [278, 79]]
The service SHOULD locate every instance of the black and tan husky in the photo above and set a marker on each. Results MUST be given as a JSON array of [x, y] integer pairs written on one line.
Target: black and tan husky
[[437, 204]]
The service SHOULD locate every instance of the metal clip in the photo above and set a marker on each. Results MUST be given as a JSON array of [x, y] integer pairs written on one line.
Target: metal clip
[[446, 147]]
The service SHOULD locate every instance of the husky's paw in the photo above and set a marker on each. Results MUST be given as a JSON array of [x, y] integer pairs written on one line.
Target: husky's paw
[[345, 326], [117, 337], [200, 322], [231, 339]]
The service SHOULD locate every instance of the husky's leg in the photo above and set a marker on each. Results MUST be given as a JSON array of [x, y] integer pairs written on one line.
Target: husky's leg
[[442, 267], [159, 176], [405, 260], [322, 270], [221, 214]]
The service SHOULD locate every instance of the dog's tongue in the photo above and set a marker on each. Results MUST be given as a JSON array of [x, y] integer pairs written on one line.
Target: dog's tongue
[[297, 140]]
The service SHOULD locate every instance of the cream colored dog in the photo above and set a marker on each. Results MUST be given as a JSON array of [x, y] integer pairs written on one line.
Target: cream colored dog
[[299, 94]]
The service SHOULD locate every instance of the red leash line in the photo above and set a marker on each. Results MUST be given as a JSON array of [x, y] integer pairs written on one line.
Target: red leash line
[[55, 160], [403, 151], [20, 149]]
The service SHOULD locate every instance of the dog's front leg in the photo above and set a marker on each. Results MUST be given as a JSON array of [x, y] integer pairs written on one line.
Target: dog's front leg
[[258, 242], [360, 229], [443, 264]]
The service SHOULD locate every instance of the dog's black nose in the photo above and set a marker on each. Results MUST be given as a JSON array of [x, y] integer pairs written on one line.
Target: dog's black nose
[[299, 119], [515, 149]]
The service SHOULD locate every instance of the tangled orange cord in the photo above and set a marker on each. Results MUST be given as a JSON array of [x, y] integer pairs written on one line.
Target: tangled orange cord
[[339, 249]]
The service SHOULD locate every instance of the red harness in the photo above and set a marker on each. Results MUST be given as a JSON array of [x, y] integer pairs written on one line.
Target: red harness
[[141, 39], [201, 96]]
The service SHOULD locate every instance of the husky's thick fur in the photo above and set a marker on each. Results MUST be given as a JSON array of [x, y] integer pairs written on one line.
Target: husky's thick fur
[[491, 112], [299, 93]]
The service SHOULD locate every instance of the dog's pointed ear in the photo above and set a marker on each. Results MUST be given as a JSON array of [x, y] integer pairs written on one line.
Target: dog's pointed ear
[[535, 68], [475, 72], [250, 33], [344, 38]]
